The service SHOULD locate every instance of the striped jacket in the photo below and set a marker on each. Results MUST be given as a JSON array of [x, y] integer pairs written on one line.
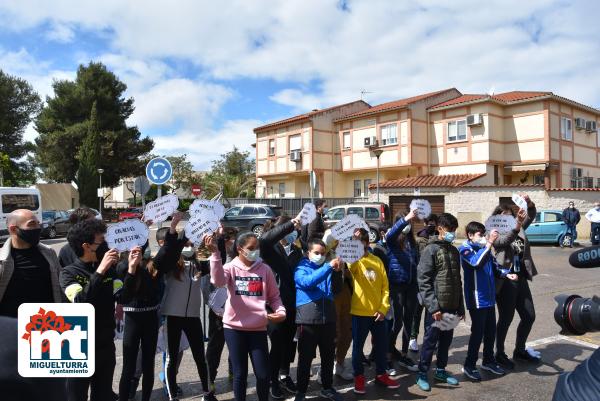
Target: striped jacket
[[479, 271]]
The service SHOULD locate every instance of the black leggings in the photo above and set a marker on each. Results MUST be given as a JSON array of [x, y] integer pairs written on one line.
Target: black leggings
[[141, 328], [216, 343], [283, 346], [311, 336], [241, 344], [514, 295], [403, 298], [192, 327]]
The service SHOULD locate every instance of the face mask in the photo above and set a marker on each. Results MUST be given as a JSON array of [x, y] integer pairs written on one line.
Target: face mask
[[31, 236], [101, 251], [291, 237], [187, 252], [406, 229], [252, 256], [317, 259], [482, 241], [449, 237]]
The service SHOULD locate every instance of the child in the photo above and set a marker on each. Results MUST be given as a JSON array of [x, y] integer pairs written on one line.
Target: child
[[316, 283], [251, 289], [370, 304], [440, 287], [480, 267]]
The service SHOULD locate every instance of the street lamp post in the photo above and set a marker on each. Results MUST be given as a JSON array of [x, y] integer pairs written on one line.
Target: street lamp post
[[377, 152], [100, 171]]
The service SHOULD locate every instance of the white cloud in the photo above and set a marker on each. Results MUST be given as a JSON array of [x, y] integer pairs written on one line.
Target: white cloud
[[295, 98], [61, 33]]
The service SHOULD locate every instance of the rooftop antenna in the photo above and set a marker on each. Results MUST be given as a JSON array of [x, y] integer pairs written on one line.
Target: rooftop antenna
[[363, 92], [491, 90]]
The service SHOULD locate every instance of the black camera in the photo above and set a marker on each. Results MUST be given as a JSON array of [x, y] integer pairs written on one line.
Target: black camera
[[577, 315]]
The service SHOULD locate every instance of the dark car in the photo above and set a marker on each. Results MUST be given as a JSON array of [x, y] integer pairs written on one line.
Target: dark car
[[55, 223], [374, 214], [131, 213], [250, 217]]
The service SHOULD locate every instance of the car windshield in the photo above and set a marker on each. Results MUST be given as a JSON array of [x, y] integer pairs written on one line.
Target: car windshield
[[47, 215]]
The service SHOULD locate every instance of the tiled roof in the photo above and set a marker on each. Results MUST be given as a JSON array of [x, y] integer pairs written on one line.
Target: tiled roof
[[575, 189], [396, 104], [304, 116], [506, 97], [430, 180]]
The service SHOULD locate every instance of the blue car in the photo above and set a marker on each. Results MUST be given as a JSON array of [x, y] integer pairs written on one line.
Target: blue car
[[548, 227]]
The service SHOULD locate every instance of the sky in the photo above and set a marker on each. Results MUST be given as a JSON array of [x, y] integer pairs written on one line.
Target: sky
[[205, 73]]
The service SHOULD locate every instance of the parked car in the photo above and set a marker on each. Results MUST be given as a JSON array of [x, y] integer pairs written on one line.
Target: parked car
[[55, 223], [97, 214], [131, 213], [548, 227], [250, 217], [375, 215]]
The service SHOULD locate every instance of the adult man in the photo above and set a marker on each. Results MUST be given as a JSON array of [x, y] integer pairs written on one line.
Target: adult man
[[316, 229], [571, 218], [593, 216], [28, 269]]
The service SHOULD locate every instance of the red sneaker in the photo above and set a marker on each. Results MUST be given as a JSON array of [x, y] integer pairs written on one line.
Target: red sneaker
[[387, 381], [359, 384]]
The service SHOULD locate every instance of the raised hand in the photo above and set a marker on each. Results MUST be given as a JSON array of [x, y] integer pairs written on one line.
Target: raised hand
[[411, 215], [110, 258], [135, 257], [210, 242]]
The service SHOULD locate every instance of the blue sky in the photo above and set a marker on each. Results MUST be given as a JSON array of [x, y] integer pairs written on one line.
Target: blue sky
[[204, 73]]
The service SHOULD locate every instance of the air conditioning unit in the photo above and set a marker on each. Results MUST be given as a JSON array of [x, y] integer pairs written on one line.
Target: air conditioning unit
[[370, 141], [580, 123], [590, 126], [474, 119], [295, 155]]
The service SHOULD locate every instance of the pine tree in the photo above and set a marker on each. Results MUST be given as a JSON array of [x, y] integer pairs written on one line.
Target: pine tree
[[89, 162]]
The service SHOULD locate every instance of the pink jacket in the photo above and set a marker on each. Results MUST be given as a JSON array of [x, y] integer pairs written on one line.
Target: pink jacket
[[250, 290]]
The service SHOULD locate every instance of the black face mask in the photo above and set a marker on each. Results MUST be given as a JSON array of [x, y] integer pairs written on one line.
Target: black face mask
[[101, 251], [31, 236]]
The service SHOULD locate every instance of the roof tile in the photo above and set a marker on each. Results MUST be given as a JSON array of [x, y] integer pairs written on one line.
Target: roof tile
[[430, 180]]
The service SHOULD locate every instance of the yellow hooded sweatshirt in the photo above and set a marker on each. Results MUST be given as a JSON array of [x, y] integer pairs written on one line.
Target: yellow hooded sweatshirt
[[371, 289]]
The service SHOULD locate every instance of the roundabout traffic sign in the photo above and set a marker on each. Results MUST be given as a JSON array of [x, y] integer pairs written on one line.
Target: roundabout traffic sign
[[159, 170]]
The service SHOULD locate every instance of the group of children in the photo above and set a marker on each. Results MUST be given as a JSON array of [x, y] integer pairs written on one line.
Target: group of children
[[301, 296]]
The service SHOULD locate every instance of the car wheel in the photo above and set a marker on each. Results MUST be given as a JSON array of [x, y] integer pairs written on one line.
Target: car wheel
[[52, 233], [258, 230], [373, 235]]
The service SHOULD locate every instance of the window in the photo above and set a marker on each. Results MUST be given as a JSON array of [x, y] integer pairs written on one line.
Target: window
[[598, 137], [249, 211], [336, 213], [552, 217], [366, 188], [271, 147], [566, 128], [282, 189], [262, 211], [346, 136], [496, 175], [11, 203], [357, 188], [588, 182], [389, 135], [295, 142], [371, 213], [457, 131], [538, 218], [356, 210], [538, 179], [234, 211]]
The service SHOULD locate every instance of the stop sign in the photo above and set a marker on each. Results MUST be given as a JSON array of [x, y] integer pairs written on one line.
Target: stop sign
[[196, 190]]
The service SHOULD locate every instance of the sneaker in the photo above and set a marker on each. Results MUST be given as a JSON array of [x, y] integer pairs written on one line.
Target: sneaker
[[276, 391], [526, 357], [359, 384], [494, 368], [386, 381], [209, 396], [472, 373], [422, 382], [331, 394], [443, 376], [288, 384], [408, 363], [343, 371], [391, 371], [413, 345], [300, 397], [135, 382], [502, 360]]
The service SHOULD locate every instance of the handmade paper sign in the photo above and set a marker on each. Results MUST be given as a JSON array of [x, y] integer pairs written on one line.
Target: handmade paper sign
[[308, 214], [200, 224], [501, 222], [449, 322], [126, 235], [160, 209], [423, 208], [519, 201], [201, 205], [344, 229], [350, 251]]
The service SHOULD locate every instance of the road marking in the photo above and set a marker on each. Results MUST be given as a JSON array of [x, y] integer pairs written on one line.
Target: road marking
[[560, 337]]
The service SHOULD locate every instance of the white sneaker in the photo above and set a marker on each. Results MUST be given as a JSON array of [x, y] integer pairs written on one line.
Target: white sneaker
[[343, 371], [413, 345]]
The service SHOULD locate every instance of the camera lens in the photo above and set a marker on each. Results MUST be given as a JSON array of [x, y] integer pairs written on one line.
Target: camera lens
[[577, 315]]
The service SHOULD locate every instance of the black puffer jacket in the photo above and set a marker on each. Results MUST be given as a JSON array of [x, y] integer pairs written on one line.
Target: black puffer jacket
[[439, 279]]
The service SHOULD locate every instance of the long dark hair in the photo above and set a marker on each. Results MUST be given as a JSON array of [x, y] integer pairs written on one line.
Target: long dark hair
[[279, 221], [402, 238], [503, 207]]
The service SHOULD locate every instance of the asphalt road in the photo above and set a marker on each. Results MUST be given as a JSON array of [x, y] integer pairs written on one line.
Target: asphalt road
[[531, 383]]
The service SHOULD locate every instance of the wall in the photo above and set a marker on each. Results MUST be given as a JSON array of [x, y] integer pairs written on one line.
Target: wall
[[59, 196]]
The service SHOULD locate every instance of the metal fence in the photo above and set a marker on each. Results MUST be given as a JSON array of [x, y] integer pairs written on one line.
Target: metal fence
[[290, 206]]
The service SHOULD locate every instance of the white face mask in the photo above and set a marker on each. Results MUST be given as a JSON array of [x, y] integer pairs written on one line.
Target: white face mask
[[482, 241], [252, 256], [317, 259]]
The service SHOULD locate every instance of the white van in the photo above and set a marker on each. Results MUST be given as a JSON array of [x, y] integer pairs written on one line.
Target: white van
[[18, 198]]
